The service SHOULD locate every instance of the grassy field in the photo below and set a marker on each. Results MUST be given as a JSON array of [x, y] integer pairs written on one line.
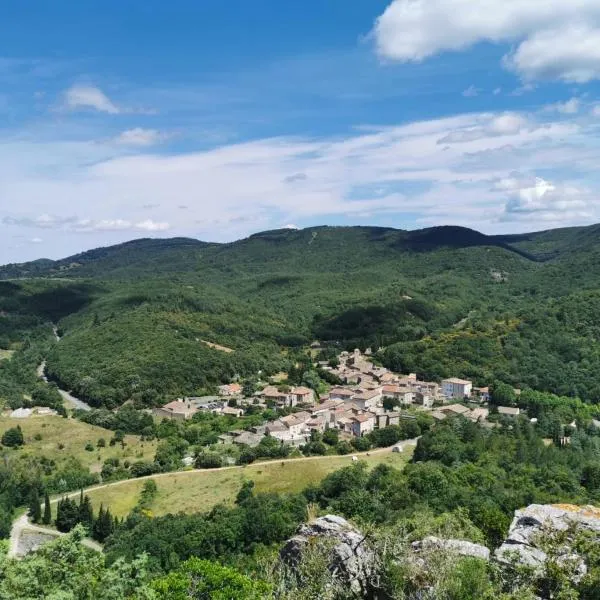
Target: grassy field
[[73, 436], [197, 491]]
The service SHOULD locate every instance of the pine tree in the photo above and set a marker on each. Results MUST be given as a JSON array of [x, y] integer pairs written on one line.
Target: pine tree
[[35, 509], [104, 525], [47, 518]]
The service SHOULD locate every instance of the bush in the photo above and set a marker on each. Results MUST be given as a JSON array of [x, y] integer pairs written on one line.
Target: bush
[[208, 460], [13, 437], [361, 444], [89, 447], [344, 447]]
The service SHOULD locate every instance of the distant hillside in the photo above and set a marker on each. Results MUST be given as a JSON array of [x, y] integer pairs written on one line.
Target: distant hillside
[[443, 301]]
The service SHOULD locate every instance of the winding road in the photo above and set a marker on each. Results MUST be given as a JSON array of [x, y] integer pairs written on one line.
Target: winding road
[[23, 525], [66, 396]]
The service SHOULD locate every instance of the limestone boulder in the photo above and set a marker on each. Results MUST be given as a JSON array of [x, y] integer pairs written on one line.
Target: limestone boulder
[[351, 561]]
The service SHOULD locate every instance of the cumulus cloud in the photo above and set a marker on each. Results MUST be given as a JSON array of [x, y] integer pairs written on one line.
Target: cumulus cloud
[[140, 137], [89, 97], [555, 39], [536, 198]]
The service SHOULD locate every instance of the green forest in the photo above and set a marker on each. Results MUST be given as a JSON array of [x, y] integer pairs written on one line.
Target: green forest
[[137, 319]]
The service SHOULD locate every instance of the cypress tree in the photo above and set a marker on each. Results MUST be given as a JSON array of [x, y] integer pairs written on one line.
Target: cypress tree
[[67, 515], [47, 518], [35, 509], [86, 513]]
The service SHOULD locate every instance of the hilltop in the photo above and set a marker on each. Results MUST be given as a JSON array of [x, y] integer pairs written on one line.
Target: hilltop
[[441, 301]]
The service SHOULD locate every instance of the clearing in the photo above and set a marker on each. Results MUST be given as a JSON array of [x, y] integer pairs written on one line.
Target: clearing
[[74, 435], [6, 354], [217, 347], [200, 490]]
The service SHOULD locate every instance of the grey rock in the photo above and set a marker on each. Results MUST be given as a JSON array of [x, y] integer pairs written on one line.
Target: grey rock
[[351, 559], [459, 547], [522, 542]]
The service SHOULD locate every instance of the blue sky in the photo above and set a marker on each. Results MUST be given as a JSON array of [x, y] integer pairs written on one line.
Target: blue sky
[[216, 120]]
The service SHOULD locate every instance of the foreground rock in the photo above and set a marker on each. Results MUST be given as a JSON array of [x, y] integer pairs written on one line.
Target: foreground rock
[[458, 547], [351, 561], [531, 525]]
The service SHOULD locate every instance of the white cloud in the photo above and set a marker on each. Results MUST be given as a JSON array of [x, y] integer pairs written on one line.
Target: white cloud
[[89, 97], [36, 240], [570, 107], [77, 225], [471, 92], [537, 199], [497, 91], [140, 137], [500, 125], [554, 38], [596, 111], [413, 173], [569, 53], [290, 226]]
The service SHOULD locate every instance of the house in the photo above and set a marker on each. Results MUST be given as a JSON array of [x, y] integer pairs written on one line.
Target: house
[[386, 419], [231, 389], [247, 438], [232, 411], [21, 413], [278, 430], [296, 423], [438, 415], [423, 399], [341, 394], [368, 398], [178, 409], [303, 395], [482, 394], [402, 394], [362, 424], [273, 394], [455, 409], [509, 411], [478, 414], [455, 388]]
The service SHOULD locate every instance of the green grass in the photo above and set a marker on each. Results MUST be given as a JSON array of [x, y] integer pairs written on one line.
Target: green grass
[[198, 491], [73, 435]]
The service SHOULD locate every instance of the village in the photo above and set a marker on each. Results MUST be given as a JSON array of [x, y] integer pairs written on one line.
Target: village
[[369, 397]]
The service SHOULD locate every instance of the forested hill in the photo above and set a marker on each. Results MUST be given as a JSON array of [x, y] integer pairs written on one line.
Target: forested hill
[[179, 254], [440, 301]]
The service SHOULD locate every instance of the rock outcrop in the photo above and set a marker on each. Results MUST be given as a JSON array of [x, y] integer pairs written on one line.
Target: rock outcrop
[[351, 561], [458, 547], [531, 524]]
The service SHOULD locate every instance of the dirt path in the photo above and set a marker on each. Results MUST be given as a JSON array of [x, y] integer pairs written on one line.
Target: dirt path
[[93, 488], [22, 525]]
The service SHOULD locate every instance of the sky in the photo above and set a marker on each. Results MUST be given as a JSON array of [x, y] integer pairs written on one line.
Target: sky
[[122, 119]]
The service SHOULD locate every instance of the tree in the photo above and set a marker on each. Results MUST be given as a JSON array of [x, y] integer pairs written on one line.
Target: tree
[[35, 509], [103, 525], [47, 517], [67, 515], [13, 437], [198, 579], [331, 436], [85, 512], [502, 394], [249, 388], [390, 404]]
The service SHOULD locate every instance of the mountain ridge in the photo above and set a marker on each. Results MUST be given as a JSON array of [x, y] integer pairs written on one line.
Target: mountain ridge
[[418, 240]]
